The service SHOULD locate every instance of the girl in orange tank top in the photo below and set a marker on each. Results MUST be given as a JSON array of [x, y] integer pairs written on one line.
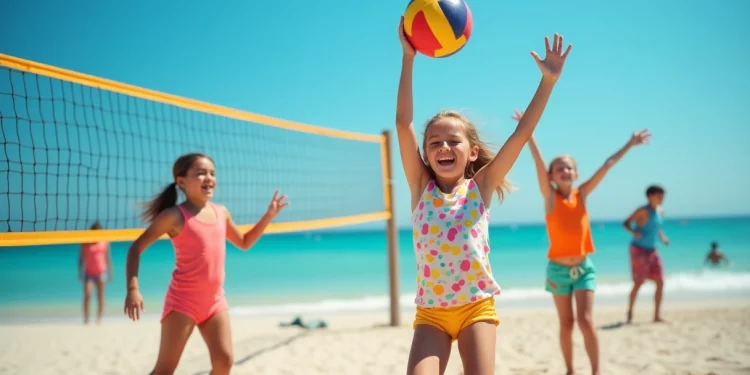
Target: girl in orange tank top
[[198, 230], [570, 271]]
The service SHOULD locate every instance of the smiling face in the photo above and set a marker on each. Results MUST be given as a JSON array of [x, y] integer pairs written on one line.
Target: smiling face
[[563, 172], [199, 181], [447, 149]]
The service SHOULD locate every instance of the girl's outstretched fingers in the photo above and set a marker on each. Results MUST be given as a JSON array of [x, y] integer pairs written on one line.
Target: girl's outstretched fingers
[[554, 60], [642, 137]]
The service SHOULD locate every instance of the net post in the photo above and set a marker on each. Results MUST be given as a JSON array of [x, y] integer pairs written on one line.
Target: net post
[[391, 231]]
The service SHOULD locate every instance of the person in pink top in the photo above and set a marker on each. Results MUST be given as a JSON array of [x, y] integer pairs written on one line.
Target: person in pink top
[[198, 230], [94, 262]]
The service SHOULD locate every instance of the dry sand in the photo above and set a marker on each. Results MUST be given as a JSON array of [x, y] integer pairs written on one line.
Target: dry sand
[[702, 338]]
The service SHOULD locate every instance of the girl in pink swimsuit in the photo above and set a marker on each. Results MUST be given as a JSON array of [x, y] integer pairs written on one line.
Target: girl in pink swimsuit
[[94, 269], [198, 230]]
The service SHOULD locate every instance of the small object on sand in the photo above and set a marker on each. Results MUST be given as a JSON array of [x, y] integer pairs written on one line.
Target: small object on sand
[[312, 324]]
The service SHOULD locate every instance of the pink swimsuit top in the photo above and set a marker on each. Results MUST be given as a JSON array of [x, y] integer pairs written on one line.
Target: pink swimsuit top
[[95, 257], [200, 254]]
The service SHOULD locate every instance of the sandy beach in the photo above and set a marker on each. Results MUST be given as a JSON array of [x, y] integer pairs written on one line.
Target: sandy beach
[[702, 338]]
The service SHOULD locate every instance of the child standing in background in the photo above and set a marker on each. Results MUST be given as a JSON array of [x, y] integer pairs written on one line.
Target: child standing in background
[[452, 186], [94, 269], [570, 271], [198, 230], [645, 262]]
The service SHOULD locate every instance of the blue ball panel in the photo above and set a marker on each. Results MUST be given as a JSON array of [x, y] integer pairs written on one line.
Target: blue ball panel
[[455, 13]]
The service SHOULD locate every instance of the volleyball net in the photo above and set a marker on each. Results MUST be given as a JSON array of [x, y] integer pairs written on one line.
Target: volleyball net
[[77, 149]]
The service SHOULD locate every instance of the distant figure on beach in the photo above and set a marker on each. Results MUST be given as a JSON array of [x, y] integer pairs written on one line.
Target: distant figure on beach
[[94, 270], [570, 272], [645, 262], [452, 186], [715, 257], [198, 230]]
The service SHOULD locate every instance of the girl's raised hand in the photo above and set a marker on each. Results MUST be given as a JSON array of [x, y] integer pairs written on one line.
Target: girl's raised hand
[[640, 138], [409, 50], [517, 115], [554, 60], [277, 203]]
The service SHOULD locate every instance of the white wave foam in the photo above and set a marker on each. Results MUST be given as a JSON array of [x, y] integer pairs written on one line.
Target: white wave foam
[[699, 282]]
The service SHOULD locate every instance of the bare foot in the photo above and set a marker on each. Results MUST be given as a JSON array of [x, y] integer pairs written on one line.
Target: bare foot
[[659, 319], [630, 316]]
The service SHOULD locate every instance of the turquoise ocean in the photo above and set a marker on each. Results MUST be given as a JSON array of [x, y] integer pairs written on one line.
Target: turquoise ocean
[[323, 272]]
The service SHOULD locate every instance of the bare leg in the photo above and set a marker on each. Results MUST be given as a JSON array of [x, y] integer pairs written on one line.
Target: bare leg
[[564, 304], [631, 301], [476, 344], [175, 331], [88, 286], [217, 333], [657, 301], [99, 300], [585, 308], [430, 350]]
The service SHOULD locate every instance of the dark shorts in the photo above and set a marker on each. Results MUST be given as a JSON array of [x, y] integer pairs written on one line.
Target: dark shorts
[[646, 264]]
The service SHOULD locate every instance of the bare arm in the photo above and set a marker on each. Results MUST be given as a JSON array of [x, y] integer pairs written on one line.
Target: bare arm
[[110, 268], [247, 240], [80, 262], [493, 174], [588, 186], [540, 166], [635, 217], [162, 224], [542, 175], [663, 237], [414, 168]]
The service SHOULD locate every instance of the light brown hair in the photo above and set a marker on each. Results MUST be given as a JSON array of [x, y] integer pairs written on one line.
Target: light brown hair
[[484, 156]]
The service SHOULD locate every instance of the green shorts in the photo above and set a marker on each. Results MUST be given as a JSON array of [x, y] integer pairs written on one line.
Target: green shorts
[[565, 280]]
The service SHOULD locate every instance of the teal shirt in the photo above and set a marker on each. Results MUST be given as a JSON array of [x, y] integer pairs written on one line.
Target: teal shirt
[[650, 230]]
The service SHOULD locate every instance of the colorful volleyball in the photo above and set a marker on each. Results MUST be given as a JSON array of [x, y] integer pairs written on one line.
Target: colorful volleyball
[[437, 28]]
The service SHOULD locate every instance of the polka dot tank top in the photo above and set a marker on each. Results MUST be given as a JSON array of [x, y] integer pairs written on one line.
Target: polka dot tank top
[[451, 243]]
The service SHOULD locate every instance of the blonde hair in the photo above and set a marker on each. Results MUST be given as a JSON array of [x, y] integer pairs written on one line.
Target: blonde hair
[[562, 157], [559, 158], [484, 156]]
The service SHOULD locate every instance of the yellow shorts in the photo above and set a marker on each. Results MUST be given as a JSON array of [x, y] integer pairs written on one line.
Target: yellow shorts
[[452, 320]]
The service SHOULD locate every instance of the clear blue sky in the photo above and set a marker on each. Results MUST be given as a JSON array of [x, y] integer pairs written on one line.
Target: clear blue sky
[[677, 68]]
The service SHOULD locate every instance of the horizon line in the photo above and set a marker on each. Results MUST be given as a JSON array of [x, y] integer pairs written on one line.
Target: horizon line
[[537, 223]]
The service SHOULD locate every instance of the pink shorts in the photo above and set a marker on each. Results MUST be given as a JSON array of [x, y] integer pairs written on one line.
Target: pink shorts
[[646, 264], [196, 307]]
